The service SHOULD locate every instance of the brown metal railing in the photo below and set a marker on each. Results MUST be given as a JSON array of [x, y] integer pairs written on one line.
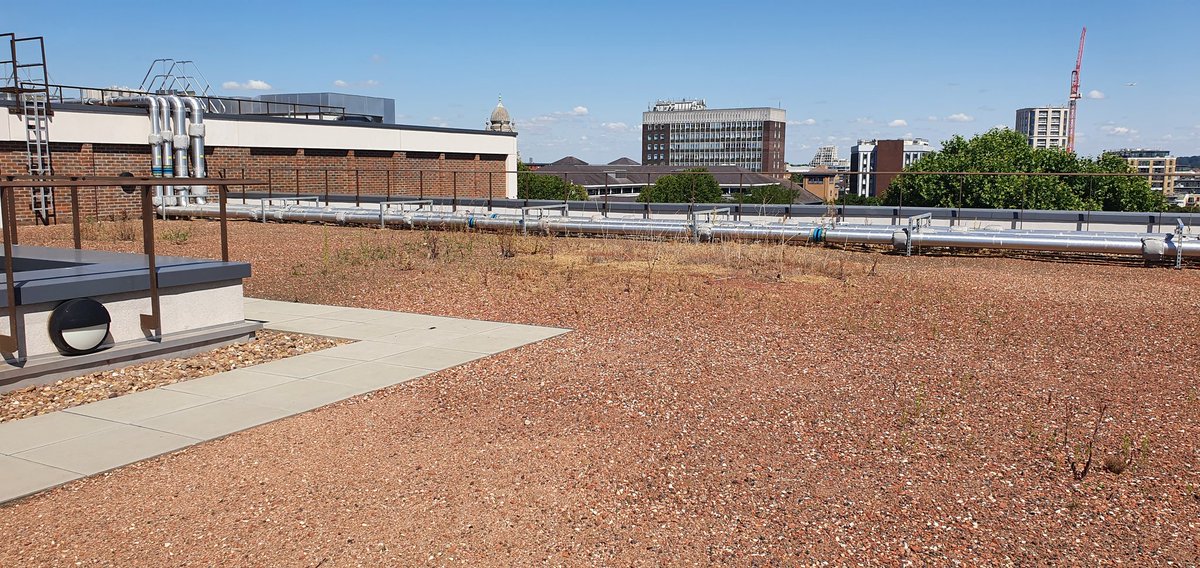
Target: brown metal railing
[[9, 185]]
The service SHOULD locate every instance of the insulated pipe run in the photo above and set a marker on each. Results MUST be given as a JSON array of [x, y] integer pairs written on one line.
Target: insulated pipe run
[[180, 140], [1149, 246], [196, 132], [168, 149], [155, 139]]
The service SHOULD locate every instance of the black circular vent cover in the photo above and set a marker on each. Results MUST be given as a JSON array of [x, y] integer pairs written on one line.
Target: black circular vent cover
[[79, 326]]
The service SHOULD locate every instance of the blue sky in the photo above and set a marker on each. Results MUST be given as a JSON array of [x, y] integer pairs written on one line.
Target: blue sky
[[577, 75]]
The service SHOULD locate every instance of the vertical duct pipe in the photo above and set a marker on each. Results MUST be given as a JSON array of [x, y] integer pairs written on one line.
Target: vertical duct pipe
[[168, 149], [180, 140], [196, 131], [155, 138]]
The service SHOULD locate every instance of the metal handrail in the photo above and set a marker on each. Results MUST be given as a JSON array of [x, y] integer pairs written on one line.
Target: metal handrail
[[290, 109]]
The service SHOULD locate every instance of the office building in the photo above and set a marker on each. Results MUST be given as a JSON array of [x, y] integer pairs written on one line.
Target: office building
[[827, 157], [688, 133], [1044, 127], [882, 156]]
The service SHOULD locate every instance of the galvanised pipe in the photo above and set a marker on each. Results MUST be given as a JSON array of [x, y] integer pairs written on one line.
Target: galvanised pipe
[[1148, 246], [196, 133], [180, 140], [168, 147], [155, 138]]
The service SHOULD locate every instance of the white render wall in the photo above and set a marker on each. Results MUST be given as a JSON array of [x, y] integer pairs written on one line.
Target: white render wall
[[110, 128]]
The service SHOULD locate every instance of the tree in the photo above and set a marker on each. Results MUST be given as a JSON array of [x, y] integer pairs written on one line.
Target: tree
[[769, 194], [694, 185], [1002, 150], [532, 185]]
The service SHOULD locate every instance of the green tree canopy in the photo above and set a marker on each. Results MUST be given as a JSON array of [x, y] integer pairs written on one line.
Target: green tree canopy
[[1003, 150], [694, 185], [532, 185]]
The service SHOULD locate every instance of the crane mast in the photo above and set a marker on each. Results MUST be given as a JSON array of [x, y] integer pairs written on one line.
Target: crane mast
[[1074, 96]]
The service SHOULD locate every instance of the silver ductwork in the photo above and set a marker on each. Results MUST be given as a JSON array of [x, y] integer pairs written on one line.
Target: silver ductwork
[[1152, 247], [195, 130], [181, 142], [155, 138], [171, 135]]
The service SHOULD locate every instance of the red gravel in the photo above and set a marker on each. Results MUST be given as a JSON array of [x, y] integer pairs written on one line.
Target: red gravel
[[717, 404]]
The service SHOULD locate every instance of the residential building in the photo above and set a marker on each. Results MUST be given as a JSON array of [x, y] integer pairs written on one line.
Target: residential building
[[1158, 165], [1044, 127], [688, 133], [821, 181], [888, 156]]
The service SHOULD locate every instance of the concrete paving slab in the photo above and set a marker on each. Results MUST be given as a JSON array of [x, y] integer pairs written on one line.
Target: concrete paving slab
[[367, 350], [215, 419], [139, 405], [28, 433], [359, 315], [303, 366], [393, 348], [432, 358], [315, 326], [298, 396], [107, 449], [422, 337], [19, 477], [230, 383], [364, 330], [370, 376]]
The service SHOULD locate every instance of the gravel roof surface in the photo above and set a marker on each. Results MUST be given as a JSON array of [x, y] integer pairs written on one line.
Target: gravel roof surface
[[718, 403], [66, 393]]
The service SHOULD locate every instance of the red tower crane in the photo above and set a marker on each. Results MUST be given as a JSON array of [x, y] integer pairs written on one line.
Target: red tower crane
[[1074, 96]]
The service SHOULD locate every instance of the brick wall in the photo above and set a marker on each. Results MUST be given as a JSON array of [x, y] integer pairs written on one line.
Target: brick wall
[[289, 171]]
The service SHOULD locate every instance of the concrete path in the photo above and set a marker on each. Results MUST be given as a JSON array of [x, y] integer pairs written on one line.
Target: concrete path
[[48, 450]]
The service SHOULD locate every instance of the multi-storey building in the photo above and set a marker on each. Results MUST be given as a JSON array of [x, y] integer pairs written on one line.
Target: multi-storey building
[[889, 156], [827, 157], [1157, 165], [688, 133], [1044, 127]]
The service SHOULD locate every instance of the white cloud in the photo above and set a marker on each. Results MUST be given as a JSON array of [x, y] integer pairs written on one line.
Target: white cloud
[[369, 83], [579, 111], [615, 126], [805, 122], [251, 85], [863, 120], [1001, 126], [1118, 130], [960, 117], [931, 118], [898, 122], [1094, 94]]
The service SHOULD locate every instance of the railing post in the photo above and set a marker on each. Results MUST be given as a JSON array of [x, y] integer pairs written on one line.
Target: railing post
[[388, 183], [270, 184], [357, 190], [297, 170], [454, 185], [75, 215], [421, 184], [327, 186], [490, 181]]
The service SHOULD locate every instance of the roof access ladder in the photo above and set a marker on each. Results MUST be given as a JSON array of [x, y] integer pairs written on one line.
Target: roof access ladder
[[30, 84]]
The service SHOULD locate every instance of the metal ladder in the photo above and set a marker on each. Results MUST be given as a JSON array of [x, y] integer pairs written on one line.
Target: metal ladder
[[37, 152], [29, 82]]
